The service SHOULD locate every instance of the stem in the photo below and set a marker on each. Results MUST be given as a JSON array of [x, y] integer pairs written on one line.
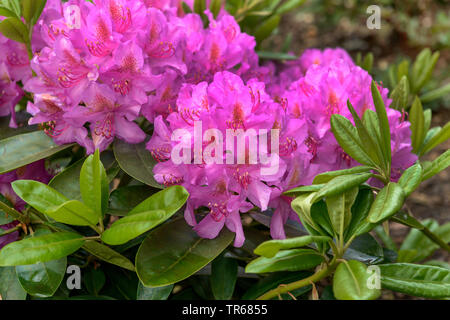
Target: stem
[[319, 275], [12, 212], [12, 230]]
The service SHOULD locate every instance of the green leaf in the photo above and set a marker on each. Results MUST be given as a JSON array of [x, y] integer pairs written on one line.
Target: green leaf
[[123, 200], [270, 248], [383, 121], [32, 9], [94, 280], [347, 136], [304, 189], [42, 279], [365, 249], [12, 6], [94, 185], [400, 95], [40, 249], [416, 280], [437, 166], [417, 120], [339, 209], [286, 260], [215, 7], [289, 6], [265, 29], [14, 29], [388, 201], [75, 213], [341, 184], [199, 6], [223, 277], [370, 121], [360, 211], [276, 56], [136, 161], [425, 74], [440, 137], [147, 215], [10, 288], [107, 254], [174, 252], [350, 282], [161, 293], [302, 206], [327, 176], [367, 63], [68, 181], [411, 179], [435, 94], [186, 7], [23, 149]]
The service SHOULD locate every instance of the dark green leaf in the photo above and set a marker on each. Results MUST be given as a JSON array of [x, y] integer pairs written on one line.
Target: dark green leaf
[[10, 288], [161, 293], [23, 149], [14, 29], [383, 120], [124, 199], [94, 280], [266, 28], [174, 252], [223, 277], [107, 254], [417, 120]]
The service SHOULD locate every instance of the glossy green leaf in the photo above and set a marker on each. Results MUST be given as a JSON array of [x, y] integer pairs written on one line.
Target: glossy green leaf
[[107, 254], [416, 280], [136, 161], [10, 288], [330, 175], [360, 211], [161, 293], [387, 203], [286, 260], [437, 166], [350, 282], [23, 149], [411, 179], [304, 189], [365, 249], [174, 252], [67, 182], [75, 213], [42, 279], [270, 248], [223, 277], [339, 209], [341, 184], [266, 28], [302, 206], [147, 215], [417, 120], [94, 184], [40, 249], [347, 136], [38, 195], [321, 219]]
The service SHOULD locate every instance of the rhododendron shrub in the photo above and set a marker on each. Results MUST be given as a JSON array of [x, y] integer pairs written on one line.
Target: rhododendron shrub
[[163, 126]]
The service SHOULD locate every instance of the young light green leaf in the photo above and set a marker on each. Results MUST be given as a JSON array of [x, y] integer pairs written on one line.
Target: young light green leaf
[[416, 280], [347, 136], [40, 249], [12, 6], [351, 282], [75, 213], [341, 184], [286, 260], [339, 209], [440, 137], [417, 119], [130, 227], [387, 203], [327, 176], [411, 179], [94, 184], [270, 248], [435, 94], [400, 95]]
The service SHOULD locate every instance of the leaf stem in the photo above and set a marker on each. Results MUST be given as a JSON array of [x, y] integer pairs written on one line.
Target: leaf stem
[[13, 212], [9, 231]]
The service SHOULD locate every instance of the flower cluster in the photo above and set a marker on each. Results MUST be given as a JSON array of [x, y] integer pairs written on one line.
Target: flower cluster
[[34, 171], [101, 65], [220, 190], [14, 68]]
